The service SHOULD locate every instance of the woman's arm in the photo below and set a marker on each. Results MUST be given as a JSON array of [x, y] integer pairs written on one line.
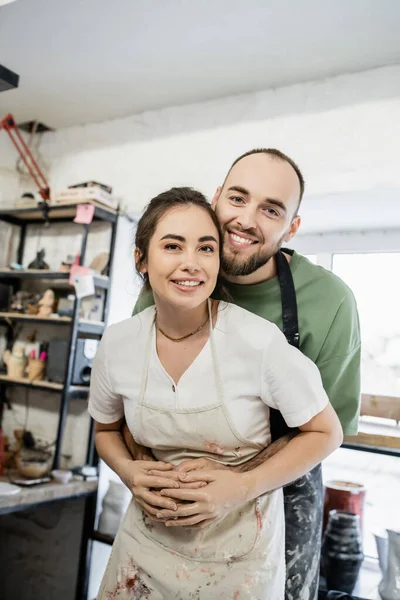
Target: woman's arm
[[226, 490], [317, 439], [134, 473]]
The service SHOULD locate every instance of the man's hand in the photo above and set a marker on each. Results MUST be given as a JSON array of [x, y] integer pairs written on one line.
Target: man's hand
[[225, 491]]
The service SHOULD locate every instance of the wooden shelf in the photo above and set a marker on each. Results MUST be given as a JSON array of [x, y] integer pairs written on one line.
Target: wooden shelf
[[45, 492], [32, 213], [78, 392], [91, 327], [84, 325], [24, 381], [384, 407], [374, 440], [100, 281], [23, 317]]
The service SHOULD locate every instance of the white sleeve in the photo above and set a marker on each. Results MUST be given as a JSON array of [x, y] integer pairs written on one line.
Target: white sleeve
[[105, 406], [291, 382]]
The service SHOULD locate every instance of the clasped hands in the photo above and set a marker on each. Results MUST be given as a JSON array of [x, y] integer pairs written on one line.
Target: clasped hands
[[193, 494]]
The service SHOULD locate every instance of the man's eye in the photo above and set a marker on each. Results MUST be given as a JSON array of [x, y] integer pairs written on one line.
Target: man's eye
[[237, 200], [208, 249], [271, 212]]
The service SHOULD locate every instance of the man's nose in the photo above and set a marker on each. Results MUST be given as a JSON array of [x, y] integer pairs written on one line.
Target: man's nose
[[247, 218]]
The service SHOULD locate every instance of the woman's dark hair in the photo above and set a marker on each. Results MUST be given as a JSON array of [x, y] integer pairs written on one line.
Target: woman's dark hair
[[174, 198]]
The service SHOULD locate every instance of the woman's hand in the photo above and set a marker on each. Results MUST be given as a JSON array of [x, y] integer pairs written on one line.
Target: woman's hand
[[225, 491], [201, 464], [135, 475]]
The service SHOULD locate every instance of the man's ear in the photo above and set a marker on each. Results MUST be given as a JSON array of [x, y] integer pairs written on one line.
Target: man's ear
[[216, 197], [140, 264], [293, 229]]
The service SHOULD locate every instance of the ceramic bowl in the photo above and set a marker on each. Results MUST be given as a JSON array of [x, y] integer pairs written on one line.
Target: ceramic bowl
[[32, 467], [62, 476]]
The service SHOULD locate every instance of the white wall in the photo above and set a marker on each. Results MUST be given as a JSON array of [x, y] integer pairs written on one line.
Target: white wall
[[344, 132]]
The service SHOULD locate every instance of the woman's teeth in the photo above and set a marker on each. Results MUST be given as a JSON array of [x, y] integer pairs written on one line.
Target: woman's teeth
[[188, 283]]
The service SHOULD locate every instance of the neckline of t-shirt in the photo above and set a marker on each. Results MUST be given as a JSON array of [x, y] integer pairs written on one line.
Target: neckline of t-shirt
[[258, 289], [221, 305]]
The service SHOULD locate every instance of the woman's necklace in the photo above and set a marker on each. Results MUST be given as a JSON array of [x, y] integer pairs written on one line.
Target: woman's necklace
[[184, 337]]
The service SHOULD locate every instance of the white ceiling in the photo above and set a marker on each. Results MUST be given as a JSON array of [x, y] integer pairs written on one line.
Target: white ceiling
[[83, 61]]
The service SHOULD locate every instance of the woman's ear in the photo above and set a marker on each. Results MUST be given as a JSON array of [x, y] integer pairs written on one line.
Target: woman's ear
[[140, 264]]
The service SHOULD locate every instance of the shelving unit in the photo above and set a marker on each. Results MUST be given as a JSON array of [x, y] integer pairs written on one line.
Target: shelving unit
[[100, 281], [34, 215]]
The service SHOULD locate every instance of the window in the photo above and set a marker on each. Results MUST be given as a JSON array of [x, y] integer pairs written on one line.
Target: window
[[373, 279]]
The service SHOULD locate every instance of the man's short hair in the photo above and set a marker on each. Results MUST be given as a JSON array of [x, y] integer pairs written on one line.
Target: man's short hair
[[279, 156]]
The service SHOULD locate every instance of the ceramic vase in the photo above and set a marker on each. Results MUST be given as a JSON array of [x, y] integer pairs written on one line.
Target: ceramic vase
[[344, 495], [389, 588], [114, 505], [342, 553]]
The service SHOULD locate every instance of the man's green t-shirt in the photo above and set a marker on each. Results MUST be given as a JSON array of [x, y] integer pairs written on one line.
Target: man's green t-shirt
[[329, 328]]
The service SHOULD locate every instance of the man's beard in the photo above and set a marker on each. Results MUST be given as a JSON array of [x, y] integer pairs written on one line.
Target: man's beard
[[236, 266]]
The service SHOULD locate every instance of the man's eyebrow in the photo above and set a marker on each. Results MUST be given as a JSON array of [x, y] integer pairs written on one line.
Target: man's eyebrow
[[242, 190]]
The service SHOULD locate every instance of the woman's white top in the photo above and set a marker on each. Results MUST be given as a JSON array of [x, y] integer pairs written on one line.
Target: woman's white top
[[258, 369]]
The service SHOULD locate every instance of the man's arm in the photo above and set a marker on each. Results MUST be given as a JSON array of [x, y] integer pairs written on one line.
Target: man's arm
[[267, 453], [137, 451]]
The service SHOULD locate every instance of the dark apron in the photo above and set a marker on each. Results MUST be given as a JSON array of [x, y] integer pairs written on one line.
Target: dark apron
[[304, 498]]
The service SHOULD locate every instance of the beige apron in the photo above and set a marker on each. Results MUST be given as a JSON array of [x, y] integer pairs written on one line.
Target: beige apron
[[240, 557]]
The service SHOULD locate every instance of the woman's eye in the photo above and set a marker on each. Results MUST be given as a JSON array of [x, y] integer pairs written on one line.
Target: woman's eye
[[172, 247], [208, 249]]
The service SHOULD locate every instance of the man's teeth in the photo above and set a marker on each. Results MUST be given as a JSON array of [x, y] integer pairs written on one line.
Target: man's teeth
[[188, 283], [241, 240]]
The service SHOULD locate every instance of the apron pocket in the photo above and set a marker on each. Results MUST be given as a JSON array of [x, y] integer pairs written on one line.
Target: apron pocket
[[231, 538]]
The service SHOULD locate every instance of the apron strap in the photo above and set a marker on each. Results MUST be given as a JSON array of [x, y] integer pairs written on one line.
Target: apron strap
[[290, 328], [288, 299]]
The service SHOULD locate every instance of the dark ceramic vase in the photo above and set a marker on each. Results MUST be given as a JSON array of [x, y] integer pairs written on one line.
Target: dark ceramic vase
[[342, 553]]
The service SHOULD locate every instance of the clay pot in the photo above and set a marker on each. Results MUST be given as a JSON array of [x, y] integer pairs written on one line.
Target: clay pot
[[36, 369], [33, 464], [344, 495], [16, 362], [342, 553]]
